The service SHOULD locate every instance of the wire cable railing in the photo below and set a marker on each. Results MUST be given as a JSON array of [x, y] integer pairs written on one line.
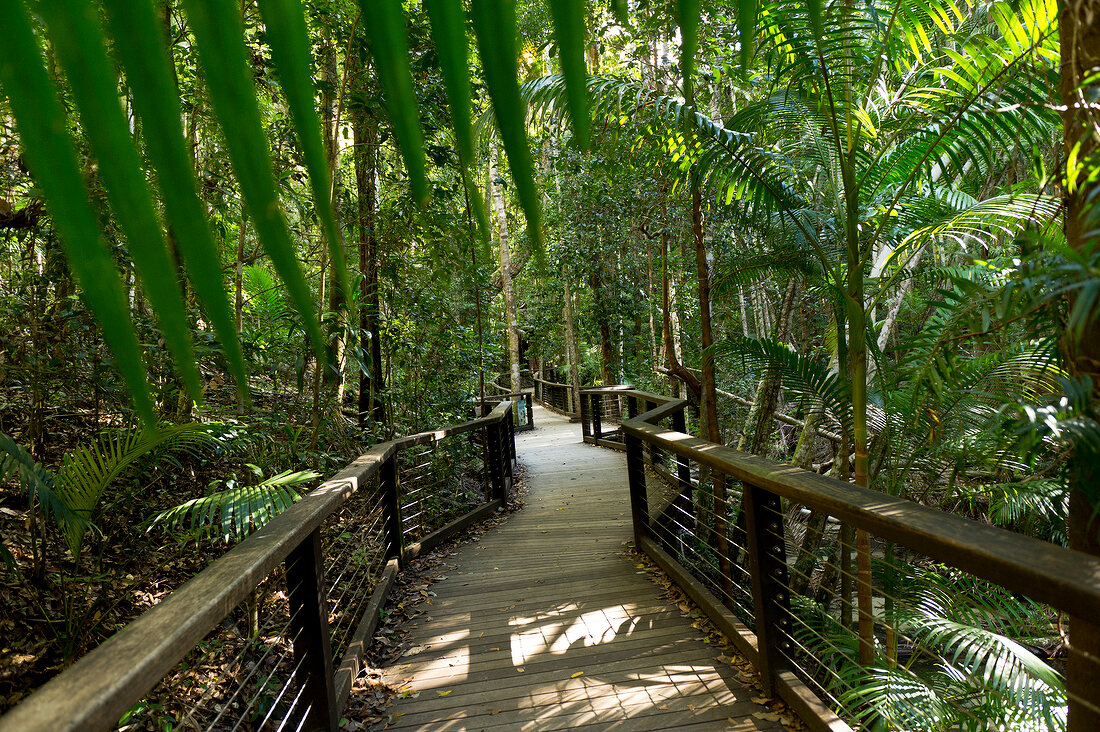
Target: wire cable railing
[[272, 635], [861, 610]]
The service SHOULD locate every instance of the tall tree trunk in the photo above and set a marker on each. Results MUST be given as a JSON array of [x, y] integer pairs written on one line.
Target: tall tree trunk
[[758, 424], [709, 390], [670, 331], [1080, 37], [510, 315], [371, 406], [571, 346]]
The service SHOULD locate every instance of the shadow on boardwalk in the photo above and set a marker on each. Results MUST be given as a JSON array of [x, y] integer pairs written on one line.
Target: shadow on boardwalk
[[547, 624]]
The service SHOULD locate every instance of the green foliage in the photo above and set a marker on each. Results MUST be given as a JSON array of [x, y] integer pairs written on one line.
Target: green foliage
[[237, 510]]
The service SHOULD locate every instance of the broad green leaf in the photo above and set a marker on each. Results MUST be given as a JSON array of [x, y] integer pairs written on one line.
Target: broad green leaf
[[449, 35], [147, 62], [746, 29], [495, 26], [219, 35], [384, 23], [48, 150], [78, 42], [689, 11], [289, 40], [569, 31]]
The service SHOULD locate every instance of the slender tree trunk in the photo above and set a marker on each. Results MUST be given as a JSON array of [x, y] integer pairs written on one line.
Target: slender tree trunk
[[510, 315], [757, 427], [370, 402], [571, 345], [1079, 30], [708, 390], [670, 329]]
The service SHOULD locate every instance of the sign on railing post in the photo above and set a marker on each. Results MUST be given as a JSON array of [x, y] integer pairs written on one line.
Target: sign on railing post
[[639, 501], [529, 398], [387, 481], [770, 578], [310, 630]]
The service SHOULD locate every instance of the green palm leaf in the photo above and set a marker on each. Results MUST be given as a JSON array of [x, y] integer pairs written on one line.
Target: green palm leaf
[[220, 39], [384, 21], [46, 145], [146, 60], [495, 26], [238, 510], [88, 471], [78, 41], [288, 37]]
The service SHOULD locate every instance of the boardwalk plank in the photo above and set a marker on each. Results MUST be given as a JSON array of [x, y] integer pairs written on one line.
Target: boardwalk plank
[[550, 593]]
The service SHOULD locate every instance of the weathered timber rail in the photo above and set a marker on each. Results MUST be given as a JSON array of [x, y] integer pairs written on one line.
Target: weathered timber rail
[[100, 688], [791, 595], [555, 395]]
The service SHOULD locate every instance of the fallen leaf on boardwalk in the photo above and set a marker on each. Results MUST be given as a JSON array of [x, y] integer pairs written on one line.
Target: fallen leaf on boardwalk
[[445, 693], [722, 659], [579, 673], [639, 566], [496, 711], [766, 716], [413, 651], [519, 668], [494, 649], [761, 700], [663, 707]]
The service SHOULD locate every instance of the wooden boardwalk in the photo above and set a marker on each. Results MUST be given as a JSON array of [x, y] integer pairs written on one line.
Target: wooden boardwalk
[[547, 624]]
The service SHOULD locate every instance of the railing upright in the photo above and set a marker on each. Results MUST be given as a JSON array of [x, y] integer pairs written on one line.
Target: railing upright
[[586, 428], [391, 504], [595, 408], [684, 501], [639, 501], [309, 625], [770, 578]]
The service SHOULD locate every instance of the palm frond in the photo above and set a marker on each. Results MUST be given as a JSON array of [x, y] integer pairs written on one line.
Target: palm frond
[[236, 511], [801, 374], [88, 471]]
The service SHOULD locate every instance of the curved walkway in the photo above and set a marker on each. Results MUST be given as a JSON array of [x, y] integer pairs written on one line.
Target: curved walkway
[[549, 625]]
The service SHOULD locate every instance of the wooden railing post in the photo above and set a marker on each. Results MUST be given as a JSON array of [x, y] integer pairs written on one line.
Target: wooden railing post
[[395, 535], [586, 429], [631, 406], [685, 501], [510, 443], [495, 455], [595, 408], [529, 398], [770, 579], [639, 500], [310, 630]]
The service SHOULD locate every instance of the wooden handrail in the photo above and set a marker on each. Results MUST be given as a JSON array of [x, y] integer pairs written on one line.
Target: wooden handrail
[[103, 685], [1064, 579]]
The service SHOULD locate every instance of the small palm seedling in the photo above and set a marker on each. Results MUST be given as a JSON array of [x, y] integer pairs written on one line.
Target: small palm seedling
[[235, 511]]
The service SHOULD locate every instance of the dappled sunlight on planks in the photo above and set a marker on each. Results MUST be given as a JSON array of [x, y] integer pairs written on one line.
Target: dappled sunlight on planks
[[547, 624]]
